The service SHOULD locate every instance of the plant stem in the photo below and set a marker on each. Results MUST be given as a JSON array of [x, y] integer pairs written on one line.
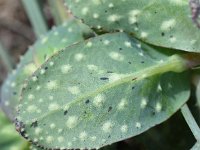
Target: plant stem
[[5, 58], [36, 16], [196, 146], [191, 122], [58, 11]]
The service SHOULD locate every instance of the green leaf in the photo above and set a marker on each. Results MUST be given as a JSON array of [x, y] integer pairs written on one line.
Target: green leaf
[[165, 23], [101, 91], [62, 36], [10, 139], [198, 91]]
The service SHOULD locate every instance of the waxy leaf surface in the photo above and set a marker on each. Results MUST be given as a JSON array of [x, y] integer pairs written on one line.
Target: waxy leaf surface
[[60, 37], [101, 91], [165, 23]]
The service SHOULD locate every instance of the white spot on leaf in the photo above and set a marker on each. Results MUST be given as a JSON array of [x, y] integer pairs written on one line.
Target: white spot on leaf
[[74, 90], [65, 68], [158, 107], [49, 139], [92, 67], [83, 136], [31, 108], [52, 85], [168, 24], [107, 126], [53, 106], [123, 103], [99, 100], [124, 128], [114, 17], [143, 103], [138, 125], [116, 56], [79, 56], [72, 121]]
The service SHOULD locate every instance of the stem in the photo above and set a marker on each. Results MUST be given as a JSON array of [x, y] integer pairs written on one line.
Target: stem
[[191, 122], [5, 58], [58, 11], [36, 16], [196, 146]]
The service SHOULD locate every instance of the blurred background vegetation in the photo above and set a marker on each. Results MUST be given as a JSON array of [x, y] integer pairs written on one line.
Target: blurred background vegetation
[[21, 23]]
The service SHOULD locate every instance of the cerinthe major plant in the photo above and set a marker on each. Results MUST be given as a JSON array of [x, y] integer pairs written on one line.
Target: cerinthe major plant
[[86, 90]]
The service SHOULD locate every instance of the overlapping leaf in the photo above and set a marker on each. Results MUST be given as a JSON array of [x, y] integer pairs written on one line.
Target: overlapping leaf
[[165, 23], [68, 33], [101, 91]]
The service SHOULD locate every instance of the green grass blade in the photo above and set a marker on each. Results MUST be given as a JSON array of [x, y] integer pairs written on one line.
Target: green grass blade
[[191, 122], [58, 11], [36, 16], [5, 58]]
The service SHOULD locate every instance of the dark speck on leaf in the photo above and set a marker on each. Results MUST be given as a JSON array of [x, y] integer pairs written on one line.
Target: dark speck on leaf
[[34, 124], [120, 49], [46, 68], [163, 34], [87, 101], [109, 109], [134, 79], [142, 62], [129, 62], [109, 72], [133, 88], [104, 78], [14, 93], [65, 112]]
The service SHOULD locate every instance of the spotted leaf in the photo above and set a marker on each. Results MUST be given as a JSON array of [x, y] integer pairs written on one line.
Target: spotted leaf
[[165, 23], [101, 91], [60, 37]]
